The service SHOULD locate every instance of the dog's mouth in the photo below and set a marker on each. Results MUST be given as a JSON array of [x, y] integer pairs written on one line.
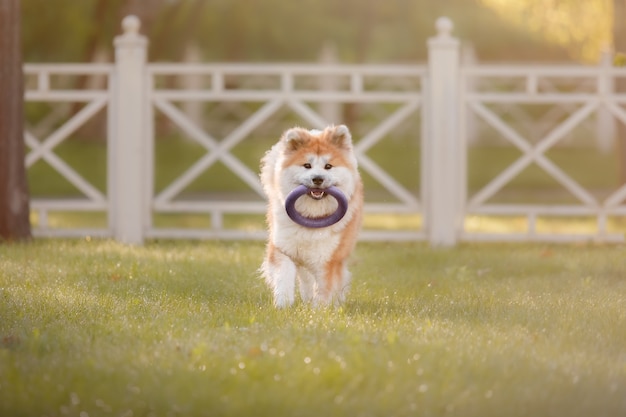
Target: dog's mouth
[[317, 193]]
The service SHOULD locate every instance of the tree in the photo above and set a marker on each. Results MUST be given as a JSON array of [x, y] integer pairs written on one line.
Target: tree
[[14, 196]]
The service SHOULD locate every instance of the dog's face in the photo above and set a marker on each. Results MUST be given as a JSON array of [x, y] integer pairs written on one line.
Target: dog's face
[[318, 160]]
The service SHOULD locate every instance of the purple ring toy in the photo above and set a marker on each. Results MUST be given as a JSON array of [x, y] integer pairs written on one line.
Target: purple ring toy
[[290, 206]]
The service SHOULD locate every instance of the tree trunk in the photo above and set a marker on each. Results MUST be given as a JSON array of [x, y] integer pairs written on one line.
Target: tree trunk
[[14, 197], [619, 46]]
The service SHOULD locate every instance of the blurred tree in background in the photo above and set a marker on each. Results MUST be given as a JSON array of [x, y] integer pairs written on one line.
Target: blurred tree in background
[[276, 30], [582, 27], [14, 196]]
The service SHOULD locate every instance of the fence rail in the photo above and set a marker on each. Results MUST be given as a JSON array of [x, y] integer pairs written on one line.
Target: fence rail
[[442, 105]]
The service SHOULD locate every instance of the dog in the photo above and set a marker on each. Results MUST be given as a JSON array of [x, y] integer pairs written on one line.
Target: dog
[[314, 258]]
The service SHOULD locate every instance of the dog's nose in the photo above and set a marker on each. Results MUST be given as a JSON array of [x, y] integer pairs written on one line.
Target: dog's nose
[[318, 180]]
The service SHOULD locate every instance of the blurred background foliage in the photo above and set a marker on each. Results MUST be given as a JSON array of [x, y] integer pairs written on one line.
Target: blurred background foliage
[[583, 28], [279, 30]]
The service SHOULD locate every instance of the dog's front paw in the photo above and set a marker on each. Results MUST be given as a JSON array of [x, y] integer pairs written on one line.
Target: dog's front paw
[[282, 300]]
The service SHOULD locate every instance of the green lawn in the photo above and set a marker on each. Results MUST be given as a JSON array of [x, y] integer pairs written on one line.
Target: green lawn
[[95, 328]]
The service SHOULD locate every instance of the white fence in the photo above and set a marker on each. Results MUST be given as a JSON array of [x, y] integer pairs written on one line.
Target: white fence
[[440, 105], [537, 87]]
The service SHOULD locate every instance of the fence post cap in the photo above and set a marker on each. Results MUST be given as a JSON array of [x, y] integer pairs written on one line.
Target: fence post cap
[[131, 24], [444, 26], [131, 37]]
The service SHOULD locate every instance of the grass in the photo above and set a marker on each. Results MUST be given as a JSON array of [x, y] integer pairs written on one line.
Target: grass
[[95, 328]]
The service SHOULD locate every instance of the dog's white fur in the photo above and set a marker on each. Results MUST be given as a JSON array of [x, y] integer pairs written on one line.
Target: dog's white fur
[[314, 258]]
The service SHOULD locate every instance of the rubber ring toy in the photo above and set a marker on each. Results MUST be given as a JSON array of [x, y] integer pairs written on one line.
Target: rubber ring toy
[[319, 222]]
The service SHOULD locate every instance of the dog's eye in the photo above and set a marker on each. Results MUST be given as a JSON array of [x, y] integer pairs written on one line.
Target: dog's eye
[[307, 166], [328, 166]]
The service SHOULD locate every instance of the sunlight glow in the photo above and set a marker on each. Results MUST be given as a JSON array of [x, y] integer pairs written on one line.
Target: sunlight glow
[[582, 27]]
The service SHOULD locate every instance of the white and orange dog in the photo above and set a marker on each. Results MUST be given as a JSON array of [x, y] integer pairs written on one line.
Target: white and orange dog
[[315, 258]]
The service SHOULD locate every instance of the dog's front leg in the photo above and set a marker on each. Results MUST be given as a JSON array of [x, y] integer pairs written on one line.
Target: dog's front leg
[[306, 284], [333, 284], [283, 279]]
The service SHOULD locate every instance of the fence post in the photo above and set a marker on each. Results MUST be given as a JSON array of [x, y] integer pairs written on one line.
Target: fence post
[[128, 141], [445, 155], [329, 83], [605, 123], [193, 109]]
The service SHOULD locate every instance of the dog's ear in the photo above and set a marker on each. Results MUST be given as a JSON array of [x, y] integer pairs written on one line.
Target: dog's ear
[[294, 138], [341, 137]]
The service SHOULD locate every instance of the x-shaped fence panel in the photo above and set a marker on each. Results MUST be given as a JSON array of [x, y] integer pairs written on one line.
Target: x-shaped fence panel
[[581, 104], [286, 93], [42, 86]]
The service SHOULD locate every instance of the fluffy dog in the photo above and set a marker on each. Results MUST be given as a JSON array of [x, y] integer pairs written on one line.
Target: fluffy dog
[[314, 258]]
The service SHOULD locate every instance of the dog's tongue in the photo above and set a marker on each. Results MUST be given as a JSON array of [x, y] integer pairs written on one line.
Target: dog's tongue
[[316, 193]]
